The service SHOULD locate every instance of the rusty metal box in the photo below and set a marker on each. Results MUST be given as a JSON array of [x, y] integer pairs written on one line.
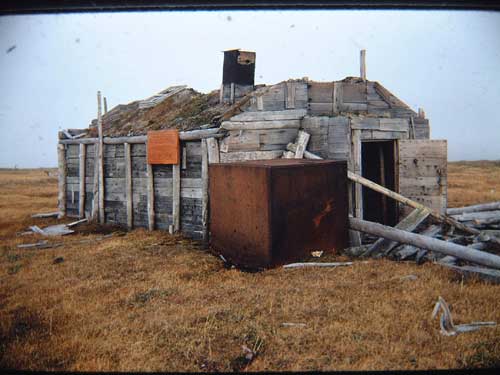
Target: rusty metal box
[[270, 212]]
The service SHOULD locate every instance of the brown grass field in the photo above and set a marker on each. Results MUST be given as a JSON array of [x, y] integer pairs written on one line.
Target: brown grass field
[[142, 301]]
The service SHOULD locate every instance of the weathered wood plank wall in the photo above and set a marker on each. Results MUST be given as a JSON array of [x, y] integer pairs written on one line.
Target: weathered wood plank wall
[[118, 207]]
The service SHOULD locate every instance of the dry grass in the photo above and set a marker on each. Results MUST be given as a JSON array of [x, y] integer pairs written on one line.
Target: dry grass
[[150, 301]]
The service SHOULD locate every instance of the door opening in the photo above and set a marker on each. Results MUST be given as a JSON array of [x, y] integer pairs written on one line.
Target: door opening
[[377, 165]]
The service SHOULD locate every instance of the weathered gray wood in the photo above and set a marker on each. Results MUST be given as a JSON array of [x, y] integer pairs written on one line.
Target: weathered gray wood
[[100, 160], [356, 164], [213, 150], [251, 155], [486, 274], [473, 216], [81, 170], [151, 198], [176, 197], [46, 215], [362, 64], [372, 185], [302, 140], [261, 125], [407, 251], [448, 248], [409, 224], [475, 208], [61, 159], [337, 97], [316, 264], [290, 95], [105, 105], [293, 114], [307, 155], [204, 187], [128, 185]]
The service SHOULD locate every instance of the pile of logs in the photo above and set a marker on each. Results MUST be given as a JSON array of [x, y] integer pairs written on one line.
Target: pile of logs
[[465, 239]]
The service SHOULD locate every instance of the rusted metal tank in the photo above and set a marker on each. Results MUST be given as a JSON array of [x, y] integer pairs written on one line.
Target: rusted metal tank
[[271, 212]]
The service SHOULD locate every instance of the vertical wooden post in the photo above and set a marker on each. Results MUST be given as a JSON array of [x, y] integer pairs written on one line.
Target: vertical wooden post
[[213, 150], [412, 128], [232, 93], [95, 190], [81, 169], [151, 198], [176, 196], [100, 159], [356, 160], [128, 185], [204, 190], [61, 159], [362, 62], [421, 113], [337, 97], [381, 158], [105, 106]]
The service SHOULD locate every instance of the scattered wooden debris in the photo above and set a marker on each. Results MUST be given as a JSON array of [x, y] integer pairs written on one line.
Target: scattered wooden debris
[[312, 264], [46, 215], [448, 328], [56, 230], [294, 325], [39, 245], [475, 208]]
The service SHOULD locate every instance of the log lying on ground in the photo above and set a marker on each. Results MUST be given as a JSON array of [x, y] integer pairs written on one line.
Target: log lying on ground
[[376, 187], [483, 215], [486, 274], [475, 208], [45, 215], [428, 243]]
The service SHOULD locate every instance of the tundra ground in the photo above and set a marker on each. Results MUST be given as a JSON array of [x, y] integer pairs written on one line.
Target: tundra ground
[[143, 301]]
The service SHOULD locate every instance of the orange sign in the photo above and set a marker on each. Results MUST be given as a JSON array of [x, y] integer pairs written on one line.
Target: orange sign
[[163, 147]]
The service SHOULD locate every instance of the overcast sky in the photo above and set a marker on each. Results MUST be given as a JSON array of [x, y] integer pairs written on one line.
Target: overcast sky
[[51, 66]]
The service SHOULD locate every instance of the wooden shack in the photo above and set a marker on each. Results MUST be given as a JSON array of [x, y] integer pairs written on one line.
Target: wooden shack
[[353, 119]]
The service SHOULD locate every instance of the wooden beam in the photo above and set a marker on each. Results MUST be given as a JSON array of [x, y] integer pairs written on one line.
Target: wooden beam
[[213, 150], [61, 159], [151, 197], [307, 155], [475, 208], [409, 224], [100, 159], [429, 243], [81, 171], [105, 106], [356, 163], [204, 189], [372, 185], [176, 196], [362, 64], [128, 186]]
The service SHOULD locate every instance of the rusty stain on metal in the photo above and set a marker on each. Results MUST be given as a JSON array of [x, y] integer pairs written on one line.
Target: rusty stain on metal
[[270, 212]]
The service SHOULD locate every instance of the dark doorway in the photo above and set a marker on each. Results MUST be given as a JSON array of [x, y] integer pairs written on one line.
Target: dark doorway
[[377, 158]]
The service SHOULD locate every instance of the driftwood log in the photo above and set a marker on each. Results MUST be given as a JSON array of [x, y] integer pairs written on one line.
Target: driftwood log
[[433, 244], [475, 208]]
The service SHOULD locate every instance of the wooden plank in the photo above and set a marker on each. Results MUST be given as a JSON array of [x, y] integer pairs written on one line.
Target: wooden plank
[[204, 188], [429, 243], [184, 157], [81, 169], [409, 223], [321, 109], [128, 185], [151, 198], [337, 97], [100, 160], [356, 164], [251, 155], [61, 159], [261, 125], [176, 197], [213, 150], [321, 92], [257, 140], [475, 208], [290, 88], [354, 93], [295, 114], [302, 140]]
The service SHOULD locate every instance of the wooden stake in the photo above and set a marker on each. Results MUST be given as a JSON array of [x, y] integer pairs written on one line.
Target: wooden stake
[[81, 198], [204, 189], [95, 190], [61, 158], [100, 159], [105, 106], [128, 186], [362, 66], [176, 196], [151, 198]]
